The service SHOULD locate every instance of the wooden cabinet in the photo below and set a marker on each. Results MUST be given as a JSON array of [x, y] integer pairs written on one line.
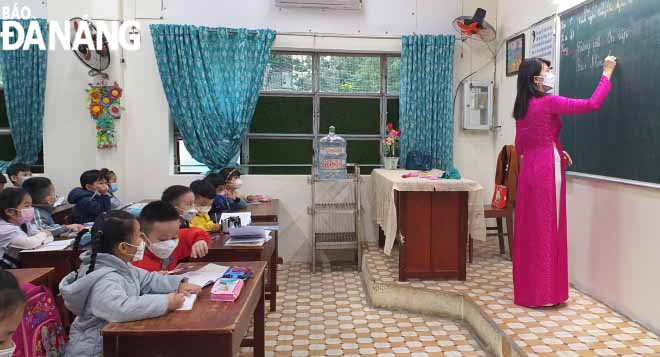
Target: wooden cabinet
[[433, 231]]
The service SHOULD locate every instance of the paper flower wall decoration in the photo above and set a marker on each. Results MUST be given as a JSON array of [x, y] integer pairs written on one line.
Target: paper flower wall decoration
[[105, 106]]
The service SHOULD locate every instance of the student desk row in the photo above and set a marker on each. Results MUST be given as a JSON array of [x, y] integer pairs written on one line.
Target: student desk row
[[64, 261], [211, 328]]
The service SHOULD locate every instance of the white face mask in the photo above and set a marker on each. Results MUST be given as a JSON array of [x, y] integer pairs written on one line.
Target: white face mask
[[139, 253], [204, 209], [237, 184], [189, 214], [8, 352], [548, 82], [163, 249]]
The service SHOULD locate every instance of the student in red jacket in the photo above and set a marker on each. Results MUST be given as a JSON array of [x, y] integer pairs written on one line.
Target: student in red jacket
[[166, 243]]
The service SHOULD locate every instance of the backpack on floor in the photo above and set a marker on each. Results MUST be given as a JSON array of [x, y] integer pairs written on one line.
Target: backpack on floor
[[40, 333]]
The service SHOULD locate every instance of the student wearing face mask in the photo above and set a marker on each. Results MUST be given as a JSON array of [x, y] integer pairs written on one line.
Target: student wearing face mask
[[540, 262], [42, 191], [92, 197], [113, 187], [107, 288], [166, 243], [16, 212], [182, 198], [18, 172], [228, 199], [204, 194]]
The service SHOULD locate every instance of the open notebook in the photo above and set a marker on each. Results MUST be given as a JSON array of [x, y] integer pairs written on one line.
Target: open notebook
[[207, 275]]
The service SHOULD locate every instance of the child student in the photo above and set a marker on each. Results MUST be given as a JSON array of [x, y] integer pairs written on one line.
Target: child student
[[91, 198], [12, 302], [166, 243], [16, 210], [108, 289], [42, 191], [115, 202], [182, 198], [204, 194], [18, 172]]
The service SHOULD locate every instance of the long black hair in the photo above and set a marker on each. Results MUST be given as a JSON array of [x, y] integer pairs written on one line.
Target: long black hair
[[10, 198], [109, 230], [11, 295], [527, 88]]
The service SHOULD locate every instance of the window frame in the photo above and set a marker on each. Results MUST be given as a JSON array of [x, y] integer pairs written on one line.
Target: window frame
[[37, 167], [383, 95]]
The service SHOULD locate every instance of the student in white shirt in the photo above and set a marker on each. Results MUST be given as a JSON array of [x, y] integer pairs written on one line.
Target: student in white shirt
[[15, 211]]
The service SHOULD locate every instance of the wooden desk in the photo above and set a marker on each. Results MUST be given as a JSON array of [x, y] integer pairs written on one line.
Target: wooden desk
[[433, 231], [432, 219], [63, 214], [60, 260], [265, 212], [36, 276], [219, 252], [211, 328]]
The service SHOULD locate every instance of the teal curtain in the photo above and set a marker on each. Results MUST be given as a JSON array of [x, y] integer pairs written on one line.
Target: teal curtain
[[212, 78], [425, 103], [24, 79]]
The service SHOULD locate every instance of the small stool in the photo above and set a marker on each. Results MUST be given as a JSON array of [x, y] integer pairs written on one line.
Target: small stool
[[498, 214]]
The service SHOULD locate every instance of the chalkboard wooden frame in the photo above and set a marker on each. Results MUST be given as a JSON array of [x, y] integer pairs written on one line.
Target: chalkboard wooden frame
[[521, 37]]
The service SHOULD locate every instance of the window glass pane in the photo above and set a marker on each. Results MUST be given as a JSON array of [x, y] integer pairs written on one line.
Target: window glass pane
[[363, 152], [279, 151], [393, 75], [188, 165], [290, 115], [288, 72], [4, 119], [350, 115], [7, 151], [393, 112], [350, 74]]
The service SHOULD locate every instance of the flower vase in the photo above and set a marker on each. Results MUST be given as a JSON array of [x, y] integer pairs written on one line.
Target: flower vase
[[391, 163]]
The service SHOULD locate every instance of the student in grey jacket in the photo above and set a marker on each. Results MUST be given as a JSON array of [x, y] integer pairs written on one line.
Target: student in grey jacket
[[107, 288], [42, 191]]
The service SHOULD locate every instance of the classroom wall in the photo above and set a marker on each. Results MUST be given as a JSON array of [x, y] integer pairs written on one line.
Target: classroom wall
[[613, 228], [144, 157]]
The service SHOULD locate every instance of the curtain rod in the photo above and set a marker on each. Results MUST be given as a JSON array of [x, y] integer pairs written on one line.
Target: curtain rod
[[318, 34]]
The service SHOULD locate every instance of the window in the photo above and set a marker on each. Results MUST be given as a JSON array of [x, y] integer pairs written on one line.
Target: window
[[303, 94], [7, 150]]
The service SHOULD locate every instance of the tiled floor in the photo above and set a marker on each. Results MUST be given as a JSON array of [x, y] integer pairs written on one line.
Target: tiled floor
[[581, 327], [326, 314]]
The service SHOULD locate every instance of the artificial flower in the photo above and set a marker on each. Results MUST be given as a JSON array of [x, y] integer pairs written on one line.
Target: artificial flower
[[114, 110], [390, 127], [94, 95], [95, 109], [115, 91], [106, 101]]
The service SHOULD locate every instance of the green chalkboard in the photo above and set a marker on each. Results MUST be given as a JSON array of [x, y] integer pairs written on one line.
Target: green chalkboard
[[622, 140]]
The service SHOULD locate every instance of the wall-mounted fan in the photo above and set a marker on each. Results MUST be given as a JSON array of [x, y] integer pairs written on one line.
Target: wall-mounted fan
[[475, 27], [97, 60]]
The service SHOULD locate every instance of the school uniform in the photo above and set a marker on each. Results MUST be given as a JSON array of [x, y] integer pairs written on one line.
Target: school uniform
[[187, 238], [114, 292]]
